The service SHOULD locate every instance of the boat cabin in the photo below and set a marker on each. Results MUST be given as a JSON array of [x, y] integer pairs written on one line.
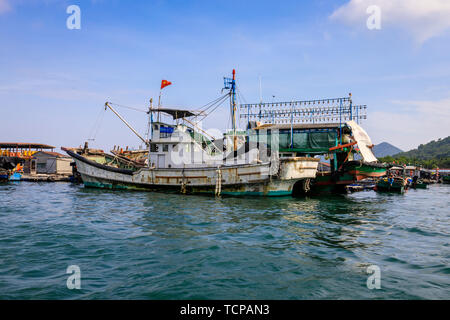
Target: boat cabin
[[183, 144]]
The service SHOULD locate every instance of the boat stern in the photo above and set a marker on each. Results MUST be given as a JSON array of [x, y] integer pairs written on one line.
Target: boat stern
[[298, 168]]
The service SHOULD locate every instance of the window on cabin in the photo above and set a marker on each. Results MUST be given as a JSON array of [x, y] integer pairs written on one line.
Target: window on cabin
[[153, 148], [165, 132], [165, 147]]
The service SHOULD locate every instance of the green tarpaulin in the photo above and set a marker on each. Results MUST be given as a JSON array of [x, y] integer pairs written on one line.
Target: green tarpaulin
[[303, 141]]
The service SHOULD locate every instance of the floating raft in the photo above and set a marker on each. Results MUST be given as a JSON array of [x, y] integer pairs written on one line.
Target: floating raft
[[45, 178]]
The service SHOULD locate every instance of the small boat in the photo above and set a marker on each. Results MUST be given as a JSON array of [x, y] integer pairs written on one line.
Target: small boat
[[10, 175], [392, 184], [354, 187], [418, 183], [16, 176], [396, 180], [4, 175], [10, 168]]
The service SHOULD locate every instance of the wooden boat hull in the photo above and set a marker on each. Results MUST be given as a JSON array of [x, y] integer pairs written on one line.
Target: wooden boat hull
[[326, 182], [236, 180], [419, 186], [362, 170], [351, 172], [386, 186]]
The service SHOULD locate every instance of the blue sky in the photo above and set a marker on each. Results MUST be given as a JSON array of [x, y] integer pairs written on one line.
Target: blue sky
[[54, 81]]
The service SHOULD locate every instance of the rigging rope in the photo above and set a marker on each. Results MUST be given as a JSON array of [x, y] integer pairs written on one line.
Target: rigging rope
[[95, 128], [127, 107], [241, 95], [212, 103], [218, 103]]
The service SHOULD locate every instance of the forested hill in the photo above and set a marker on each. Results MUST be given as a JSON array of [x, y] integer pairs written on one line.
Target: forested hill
[[436, 149], [435, 153]]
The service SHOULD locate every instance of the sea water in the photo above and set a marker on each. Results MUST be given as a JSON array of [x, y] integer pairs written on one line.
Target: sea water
[[145, 245]]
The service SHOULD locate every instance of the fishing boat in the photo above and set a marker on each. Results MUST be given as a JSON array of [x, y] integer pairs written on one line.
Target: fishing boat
[[361, 170], [184, 158], [395, 181], [347, 174], [392, 184], [446, 179], [418, 183], [328, 128]]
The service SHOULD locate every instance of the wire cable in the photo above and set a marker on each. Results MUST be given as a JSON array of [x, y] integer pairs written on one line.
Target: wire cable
[[94, 128], [217, 104], [127, 107]]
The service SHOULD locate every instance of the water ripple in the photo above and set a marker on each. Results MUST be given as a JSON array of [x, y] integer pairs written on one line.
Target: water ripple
[[135, 245]]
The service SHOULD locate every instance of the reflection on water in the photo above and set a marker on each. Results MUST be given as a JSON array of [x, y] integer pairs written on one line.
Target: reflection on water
[[168, 246]]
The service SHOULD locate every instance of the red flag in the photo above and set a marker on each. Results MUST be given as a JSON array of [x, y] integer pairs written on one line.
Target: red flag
[[165, 83]]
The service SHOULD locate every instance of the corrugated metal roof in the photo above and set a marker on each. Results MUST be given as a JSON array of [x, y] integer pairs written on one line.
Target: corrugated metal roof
[[54, 154], [26, 145]]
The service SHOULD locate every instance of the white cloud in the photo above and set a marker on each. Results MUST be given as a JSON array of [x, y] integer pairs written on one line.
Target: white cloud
[[423, 19], [409, 123], [4, 6]]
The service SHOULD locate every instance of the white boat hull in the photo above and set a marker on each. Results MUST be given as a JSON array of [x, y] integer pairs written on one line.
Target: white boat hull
[[250, 179]]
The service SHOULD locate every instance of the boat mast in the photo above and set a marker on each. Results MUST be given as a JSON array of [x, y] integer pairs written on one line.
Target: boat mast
[[149, 133], [107, 105], [233, 109], [230, 84]]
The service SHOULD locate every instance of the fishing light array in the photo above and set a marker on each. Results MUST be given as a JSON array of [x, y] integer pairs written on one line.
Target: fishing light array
[[311, 111], [334, 101]]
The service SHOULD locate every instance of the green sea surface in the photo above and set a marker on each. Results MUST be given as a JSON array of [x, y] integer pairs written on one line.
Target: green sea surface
[[144, 245]]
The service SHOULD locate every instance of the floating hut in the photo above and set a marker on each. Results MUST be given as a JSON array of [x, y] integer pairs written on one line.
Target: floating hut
[[16, 158], [48, 162]]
